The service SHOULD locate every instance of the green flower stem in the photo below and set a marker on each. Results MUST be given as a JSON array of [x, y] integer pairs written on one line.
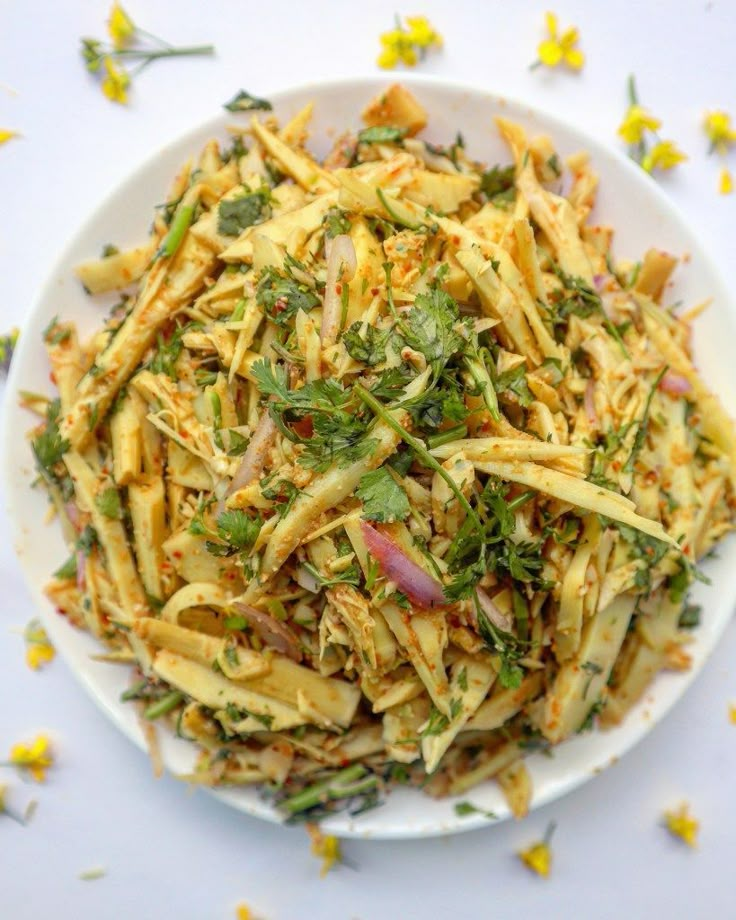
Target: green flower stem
[[341, 785], [164, 705]]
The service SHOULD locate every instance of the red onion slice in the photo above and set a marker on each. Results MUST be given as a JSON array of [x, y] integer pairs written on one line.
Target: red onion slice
[[411, 579], [674, 384], [271, 631], [589, 403], [499, 619], [341, 264], [255, 454]]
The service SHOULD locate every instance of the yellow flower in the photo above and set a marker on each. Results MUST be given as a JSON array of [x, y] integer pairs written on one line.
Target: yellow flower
[[7, 135], [242, 912], [663, 155], [39, 651], [681, 824], [636, 121], [732, 707], [560, 48], [538, 857], [725, 187], [35, 758], [399, 46], [717, 125], [120, 26], [421, 33], [115, 83], [326, 848]]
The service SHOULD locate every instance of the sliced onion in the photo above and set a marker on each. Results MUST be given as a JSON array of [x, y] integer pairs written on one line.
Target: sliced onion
[[271, 631], [341, 264], [73, 513], [411, 579], [674, 384], [500, 620], [589, 403], [598, 282], [81, 570], [255, 454], [305, 579]]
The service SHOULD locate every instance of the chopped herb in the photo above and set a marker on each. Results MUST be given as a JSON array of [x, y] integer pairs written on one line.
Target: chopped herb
[[498, 185], [237, 444], [245, 102], [108, 503], [641, 431], [235, 215], [283, 492], [238, 529], [349, 576], [336, 223], [68, 570], [463, 809], [235, 622], [514, 381], [282, 297], [462, 679], [49, 447], [383, 498], [690, 616], [369, 349], [436, 723], [381, 134]]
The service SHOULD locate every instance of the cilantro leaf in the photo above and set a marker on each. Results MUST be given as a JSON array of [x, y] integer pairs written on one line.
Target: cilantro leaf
[[381, 134], [463, 809], [336, 222], [281, 298], [108, 503], [383, 499], [514, 381], [49, 447], [244, 102], [497, 184], [429, 328], [235, 215], [369, 349], [237, 529]]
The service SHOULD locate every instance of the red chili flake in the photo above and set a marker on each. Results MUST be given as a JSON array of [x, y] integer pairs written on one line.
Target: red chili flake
[[374, 292], [304, 427], [177, 554]]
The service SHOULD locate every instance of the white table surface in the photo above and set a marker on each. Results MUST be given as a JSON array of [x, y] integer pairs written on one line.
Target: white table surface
[[169, 853]]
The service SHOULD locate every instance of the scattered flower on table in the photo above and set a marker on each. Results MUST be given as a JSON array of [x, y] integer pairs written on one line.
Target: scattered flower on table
[[91, 875], [559, 48], [242, 912], [33, 759], [6, 134], [326, 847], [639, 130], [663, 155], [732, 713], [7, 347], [407, 44], [722, 136], [682, 824], [39, 650], [128, 44], [538, 857]]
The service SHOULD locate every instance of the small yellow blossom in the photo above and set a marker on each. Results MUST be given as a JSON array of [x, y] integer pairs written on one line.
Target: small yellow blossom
[[717, 125], [681, 824], [560, 48], [663, 155], [732, 714], [325, 847], [242, 912], [422, 34], [636, 121], [538, 857], [115, 83], [7, 135], [725, 187], [400, 45], [35, 758], [39, 650], [120, 26]]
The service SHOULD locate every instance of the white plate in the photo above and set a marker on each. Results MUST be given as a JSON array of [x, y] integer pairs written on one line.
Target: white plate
[[629, 201]]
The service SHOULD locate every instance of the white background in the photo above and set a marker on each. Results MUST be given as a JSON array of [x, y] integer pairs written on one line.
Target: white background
[[172, 854]]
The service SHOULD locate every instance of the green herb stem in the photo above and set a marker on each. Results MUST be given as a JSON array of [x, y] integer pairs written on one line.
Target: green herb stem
[[179, 226], [340, 785], [164, 705], [419, 449], [446, 437]]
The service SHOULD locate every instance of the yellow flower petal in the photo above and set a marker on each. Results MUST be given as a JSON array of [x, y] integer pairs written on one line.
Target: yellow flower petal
[[35, 758], [39, 650], [388, 58], [242, 912], [116, 82], [681, 824], [421, 33], [636, 121], [550, 53], [664, 155], [538, 858], [550, 21], [732, 714], [326, 847], [120, 26], [569, 38], [7, 135], [725, 187], [717, 126], [575, 58]]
